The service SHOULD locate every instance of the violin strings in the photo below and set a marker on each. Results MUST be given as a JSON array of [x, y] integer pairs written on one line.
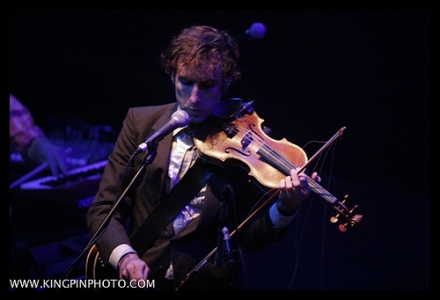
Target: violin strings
[[279, 162], [268, 153]]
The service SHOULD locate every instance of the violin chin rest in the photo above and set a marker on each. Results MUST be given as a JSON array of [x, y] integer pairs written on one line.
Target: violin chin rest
[[227, 108]]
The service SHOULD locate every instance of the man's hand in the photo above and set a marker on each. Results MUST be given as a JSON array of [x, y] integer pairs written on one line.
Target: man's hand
[[293, 190], [132, 268], [42, 150]]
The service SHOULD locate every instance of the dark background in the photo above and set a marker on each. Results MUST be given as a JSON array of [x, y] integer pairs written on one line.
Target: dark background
[[314, 72]]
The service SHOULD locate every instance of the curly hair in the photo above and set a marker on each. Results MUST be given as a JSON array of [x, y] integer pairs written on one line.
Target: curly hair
[[201, 45]]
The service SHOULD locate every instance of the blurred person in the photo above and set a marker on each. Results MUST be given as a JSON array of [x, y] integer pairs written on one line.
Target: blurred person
[[28, 139]]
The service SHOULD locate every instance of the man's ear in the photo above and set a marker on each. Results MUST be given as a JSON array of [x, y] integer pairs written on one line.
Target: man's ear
[[173, 77], [226, 85]]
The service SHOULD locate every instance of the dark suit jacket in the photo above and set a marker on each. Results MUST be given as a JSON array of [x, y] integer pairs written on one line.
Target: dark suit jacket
[[193, 243]]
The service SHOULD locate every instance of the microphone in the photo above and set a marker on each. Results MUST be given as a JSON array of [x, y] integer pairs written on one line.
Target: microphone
[[222, 241], [256, 31], [220, 235], [179, 118], [227, 239]]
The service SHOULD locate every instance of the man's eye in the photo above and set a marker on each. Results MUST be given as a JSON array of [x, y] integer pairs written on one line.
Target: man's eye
[[186, 82], [207, 85]]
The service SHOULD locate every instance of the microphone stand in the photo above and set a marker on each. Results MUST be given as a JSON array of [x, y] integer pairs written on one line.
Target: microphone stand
[[151, 155], [213, 252], [221, 240]]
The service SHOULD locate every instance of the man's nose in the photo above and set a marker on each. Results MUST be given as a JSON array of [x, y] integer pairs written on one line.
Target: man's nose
[[195, 94]]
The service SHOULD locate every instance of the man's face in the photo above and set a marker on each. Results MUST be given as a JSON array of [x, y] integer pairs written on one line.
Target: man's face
[[198, 90]]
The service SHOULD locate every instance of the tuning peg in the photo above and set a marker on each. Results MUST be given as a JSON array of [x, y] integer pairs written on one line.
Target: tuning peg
[[335, 219], [340, 208], [343, 227], [352, 220]]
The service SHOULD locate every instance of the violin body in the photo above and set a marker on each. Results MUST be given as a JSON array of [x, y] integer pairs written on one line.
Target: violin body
[[243, 141]]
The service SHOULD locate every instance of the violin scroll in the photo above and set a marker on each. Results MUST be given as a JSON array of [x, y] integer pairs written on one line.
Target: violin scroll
[[352, 220]]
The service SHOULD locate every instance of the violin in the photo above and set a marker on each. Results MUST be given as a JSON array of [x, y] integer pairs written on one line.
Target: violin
[[238, 135]]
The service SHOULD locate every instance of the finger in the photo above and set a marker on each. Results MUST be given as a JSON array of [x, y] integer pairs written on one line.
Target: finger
[[294, 179], [283, 184], [53, 165], [316, 177], [61, 163], [300, 184], [136, 270], [296, 183], [303, 179], [286, 188], [123, 274], [289, 182]]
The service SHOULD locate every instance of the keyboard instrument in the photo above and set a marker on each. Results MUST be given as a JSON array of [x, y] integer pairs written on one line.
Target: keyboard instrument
[[76, 189]]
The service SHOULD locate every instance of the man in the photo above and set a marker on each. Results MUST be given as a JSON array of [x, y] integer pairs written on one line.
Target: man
[[202, 63]]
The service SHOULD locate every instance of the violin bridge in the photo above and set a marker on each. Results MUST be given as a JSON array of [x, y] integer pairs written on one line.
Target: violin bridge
[[230, 129], [246, 141]]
